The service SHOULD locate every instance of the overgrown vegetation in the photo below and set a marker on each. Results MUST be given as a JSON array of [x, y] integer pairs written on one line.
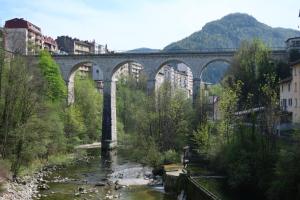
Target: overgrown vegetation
[[245, 145], [154, 128], [36, 125]]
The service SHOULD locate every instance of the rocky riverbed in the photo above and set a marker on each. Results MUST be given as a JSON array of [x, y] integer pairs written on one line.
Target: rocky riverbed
[[90, 178], [27, 187]]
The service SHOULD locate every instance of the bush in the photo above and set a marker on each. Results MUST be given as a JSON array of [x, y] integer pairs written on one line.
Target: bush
[[171, 156]]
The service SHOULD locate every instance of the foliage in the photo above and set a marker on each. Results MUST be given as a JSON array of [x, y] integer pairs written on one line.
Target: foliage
[[56, 88], [88, 109], [201, 138], [35, 123], [285, 184], [155, 127], [74, 128]]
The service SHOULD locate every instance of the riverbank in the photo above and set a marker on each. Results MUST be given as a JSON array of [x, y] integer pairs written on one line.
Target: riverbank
[[109, 176], [31, 179]]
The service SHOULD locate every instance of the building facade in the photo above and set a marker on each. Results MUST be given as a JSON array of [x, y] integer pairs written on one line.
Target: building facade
[[179, 76], [293, 48], [129, 69], [22, 36], [75, 46], [50, 44], [290, 93]]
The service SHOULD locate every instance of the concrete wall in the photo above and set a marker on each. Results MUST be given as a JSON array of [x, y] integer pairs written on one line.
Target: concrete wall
[[16, 40]]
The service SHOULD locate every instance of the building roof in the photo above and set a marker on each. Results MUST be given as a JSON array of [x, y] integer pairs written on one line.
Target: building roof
[[49, 40], [21, 23]]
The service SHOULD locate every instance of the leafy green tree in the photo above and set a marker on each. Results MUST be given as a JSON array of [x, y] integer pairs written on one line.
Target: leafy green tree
[[56, 87], [250, 65], [89, 102], [74, 125]]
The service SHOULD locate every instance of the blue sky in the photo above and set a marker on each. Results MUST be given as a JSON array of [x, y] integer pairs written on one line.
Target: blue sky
[[128, 24]]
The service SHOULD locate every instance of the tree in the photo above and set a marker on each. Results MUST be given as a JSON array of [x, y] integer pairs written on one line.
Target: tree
[[89, 104], [56, 88], [250, 65]]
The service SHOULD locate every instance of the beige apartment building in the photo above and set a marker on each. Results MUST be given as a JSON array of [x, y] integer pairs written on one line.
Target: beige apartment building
[[22, 36], [290, 93]]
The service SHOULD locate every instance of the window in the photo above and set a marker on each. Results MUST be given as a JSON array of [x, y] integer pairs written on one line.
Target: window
[[289, 87], [296, 102], [281, 88], [295, 89], [290, 102]]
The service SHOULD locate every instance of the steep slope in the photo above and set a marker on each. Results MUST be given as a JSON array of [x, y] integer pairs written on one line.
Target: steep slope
[[230, 31]]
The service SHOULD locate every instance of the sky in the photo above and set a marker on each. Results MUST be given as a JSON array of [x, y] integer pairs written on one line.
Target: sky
[[130, 24]]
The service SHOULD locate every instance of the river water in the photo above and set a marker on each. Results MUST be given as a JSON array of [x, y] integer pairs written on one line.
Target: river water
[[84, 175]]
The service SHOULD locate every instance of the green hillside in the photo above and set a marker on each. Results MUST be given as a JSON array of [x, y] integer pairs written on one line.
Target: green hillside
[[229, 32]]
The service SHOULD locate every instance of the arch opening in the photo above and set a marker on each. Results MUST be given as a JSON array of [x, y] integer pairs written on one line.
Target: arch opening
[[86, 103], [83, 70], [210, 90], [178, 74], [126, 78], [213, 71]]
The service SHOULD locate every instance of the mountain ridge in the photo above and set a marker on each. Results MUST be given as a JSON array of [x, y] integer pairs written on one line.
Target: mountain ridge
[[230, 31]]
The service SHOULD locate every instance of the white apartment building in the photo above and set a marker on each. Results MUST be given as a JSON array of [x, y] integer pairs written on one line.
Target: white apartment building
[[179, 75]]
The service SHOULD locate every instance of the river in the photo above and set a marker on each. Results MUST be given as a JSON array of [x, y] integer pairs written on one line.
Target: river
[[83, 176]]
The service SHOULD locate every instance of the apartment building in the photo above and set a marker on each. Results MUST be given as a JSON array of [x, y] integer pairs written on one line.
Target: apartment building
[[75, 46], [293, 48], [23, 37], [50, 44], [129, 69], [290, 93], [179, 75]]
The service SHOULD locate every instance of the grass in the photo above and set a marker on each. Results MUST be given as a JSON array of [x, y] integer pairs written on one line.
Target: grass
[[61, 159], [36, 165]]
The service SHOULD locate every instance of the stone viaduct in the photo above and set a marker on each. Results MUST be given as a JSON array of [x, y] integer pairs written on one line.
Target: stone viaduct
[[151, 62]]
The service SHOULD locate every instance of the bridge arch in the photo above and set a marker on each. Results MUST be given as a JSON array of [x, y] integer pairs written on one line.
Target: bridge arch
[[178, 72], [109, 124], [206, 65], [71, 76], [124, 62]]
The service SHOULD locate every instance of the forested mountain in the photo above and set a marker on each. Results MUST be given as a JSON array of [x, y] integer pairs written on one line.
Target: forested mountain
[[230, 31]]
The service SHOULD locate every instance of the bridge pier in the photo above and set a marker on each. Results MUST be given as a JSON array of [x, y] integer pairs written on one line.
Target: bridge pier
[[151, 86], [196, 89], [109, 127]]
